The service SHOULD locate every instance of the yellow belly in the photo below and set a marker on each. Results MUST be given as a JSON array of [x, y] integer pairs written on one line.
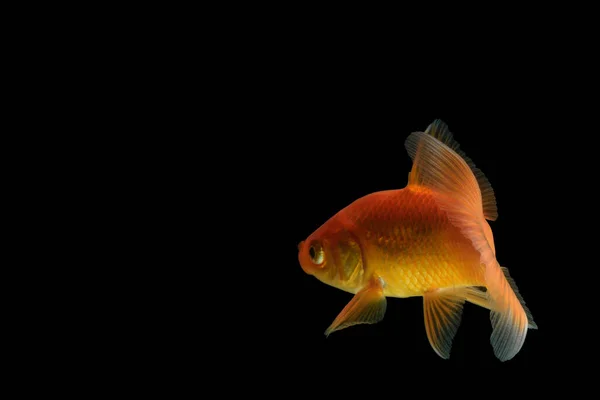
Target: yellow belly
[[451, 263]]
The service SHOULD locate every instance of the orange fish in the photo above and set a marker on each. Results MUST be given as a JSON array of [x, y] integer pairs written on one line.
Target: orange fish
[[429, 239]]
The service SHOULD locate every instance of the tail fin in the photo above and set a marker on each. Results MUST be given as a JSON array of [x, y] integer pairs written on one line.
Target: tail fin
[[530, 322], [464, 194]]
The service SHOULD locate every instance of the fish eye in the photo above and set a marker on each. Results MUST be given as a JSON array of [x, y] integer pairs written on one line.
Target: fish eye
[[316, 253]]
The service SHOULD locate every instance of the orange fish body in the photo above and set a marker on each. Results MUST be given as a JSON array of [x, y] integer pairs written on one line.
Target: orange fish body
[[430, 239]]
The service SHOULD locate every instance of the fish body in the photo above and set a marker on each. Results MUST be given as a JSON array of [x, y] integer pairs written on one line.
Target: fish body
[[410, 243], [429, 239]]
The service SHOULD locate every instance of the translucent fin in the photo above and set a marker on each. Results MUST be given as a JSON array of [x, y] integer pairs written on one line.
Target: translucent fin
[[489, 236], [477, 296], [513, 285], [457, 192], [437, 166], [443, 310], [366, 307], [439, 130]]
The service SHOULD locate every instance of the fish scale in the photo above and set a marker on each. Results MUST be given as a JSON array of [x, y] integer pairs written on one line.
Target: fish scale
[[411, 243]]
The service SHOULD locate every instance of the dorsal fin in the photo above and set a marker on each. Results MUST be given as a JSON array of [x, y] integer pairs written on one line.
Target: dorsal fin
[[439, 130]]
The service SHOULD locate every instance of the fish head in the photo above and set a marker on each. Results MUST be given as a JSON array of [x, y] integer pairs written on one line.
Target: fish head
[[332, 255]]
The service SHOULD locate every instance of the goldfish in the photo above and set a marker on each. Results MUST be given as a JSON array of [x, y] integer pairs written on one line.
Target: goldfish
[[430, 239]]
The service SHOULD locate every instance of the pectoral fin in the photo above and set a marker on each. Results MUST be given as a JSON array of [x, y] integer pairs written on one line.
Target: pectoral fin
[[443, 310], [366, 307]]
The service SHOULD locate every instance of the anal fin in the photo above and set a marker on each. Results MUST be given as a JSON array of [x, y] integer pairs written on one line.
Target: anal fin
[[366, 307], [443, 311]]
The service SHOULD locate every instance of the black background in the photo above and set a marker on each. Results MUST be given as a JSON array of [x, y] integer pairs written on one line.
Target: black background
[[291, 124]]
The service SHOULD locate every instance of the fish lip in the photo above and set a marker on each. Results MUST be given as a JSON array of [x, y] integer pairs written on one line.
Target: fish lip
[[300, 245]]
